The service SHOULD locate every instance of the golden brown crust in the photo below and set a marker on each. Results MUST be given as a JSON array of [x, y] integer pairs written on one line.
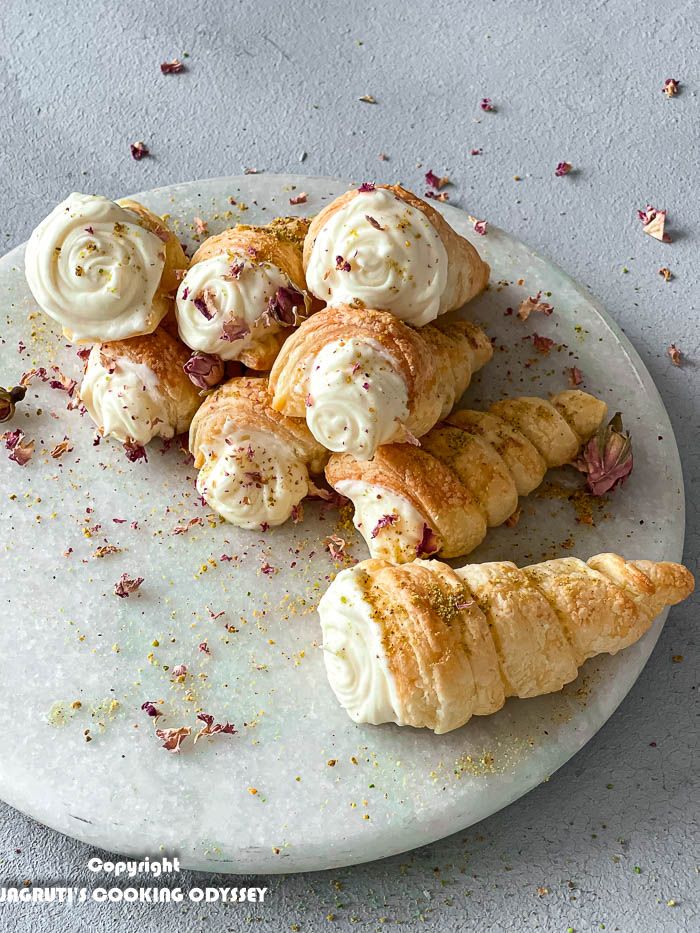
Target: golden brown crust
[[435, 363], [165, 356], [457, 642], [245, 401], [469, 471], [467, 273]]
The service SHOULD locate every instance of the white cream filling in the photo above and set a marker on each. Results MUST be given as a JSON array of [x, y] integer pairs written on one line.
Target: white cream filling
[[93, 269], [224, 296], [125, 403], [356, 398], [252, 478], [401, 268], [354, 656], [391, 526]]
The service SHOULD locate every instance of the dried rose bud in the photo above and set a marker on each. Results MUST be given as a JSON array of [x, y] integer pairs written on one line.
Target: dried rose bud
[[205, 370], [607, 457], [9, 399]]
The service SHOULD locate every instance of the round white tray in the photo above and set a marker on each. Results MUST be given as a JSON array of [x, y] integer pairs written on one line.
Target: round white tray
[[67, 638]]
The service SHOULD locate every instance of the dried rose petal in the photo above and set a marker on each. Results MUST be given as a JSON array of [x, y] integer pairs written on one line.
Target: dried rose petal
[[172, 739], [436, 181], [9, 399], [670, 88], [384, 522], [479, 225], [575, 376], [428, 543], [665, 273], [126, 586], [139, 150], [172, 68], [205, 370], [287, 307], [336, 546], [366, 187], [180, 670], [267, 567], [183, 529], [299, 198], [675, 354], [297, 513], [373, 222], [442, 196], [234, 330], [654, 221], [486, 105], [63, 447], [21, 452], [212, 728], [204, 648], [542, 344], [342, 264], [201, 226], [135, 452], [563, 168], [474, 152], [367, 99], [607, 457], [151, 709], [528, 305]]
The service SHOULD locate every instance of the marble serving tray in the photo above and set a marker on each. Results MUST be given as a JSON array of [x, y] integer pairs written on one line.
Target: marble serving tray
[[299, 786]]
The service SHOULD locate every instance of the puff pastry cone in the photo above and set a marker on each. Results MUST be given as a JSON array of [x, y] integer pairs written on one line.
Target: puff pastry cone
[[244, 292], [365, 380], [136, 389], [424, 645], [379, 246], [104, 270], [465, 477], [253, 462]]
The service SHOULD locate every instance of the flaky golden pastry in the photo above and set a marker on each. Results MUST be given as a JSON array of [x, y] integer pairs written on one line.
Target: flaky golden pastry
[[466, 476], [254, 463], [380, 246], [136, 389], [365, 380], [245, 291], [424, 645]]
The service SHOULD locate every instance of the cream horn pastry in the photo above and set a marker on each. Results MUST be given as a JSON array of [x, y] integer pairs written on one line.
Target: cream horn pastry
[[104, 270], [136, 389], [424, 645], [244, 292], [379, 246], [466, 476], [253, 462], [361, 381]]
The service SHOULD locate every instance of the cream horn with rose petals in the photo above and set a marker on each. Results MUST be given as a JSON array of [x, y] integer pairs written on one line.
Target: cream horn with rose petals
[[103, 270], [466, 476], [137, 389], [361, 381], [253, 462], [379, 246], [244, 292], [424, 645]]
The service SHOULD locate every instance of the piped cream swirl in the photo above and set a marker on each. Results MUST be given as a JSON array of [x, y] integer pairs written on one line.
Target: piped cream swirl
[[125, 400], [353, 653], [381, 252], [222, 304], [252, 478], [391, 526], [357, 400], [93, 269]]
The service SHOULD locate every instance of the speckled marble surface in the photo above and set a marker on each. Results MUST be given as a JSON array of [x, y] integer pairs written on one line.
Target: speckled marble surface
[[264, 85]]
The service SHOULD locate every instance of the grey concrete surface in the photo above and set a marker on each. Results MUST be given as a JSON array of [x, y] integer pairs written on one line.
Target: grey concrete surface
[[611, 840]]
